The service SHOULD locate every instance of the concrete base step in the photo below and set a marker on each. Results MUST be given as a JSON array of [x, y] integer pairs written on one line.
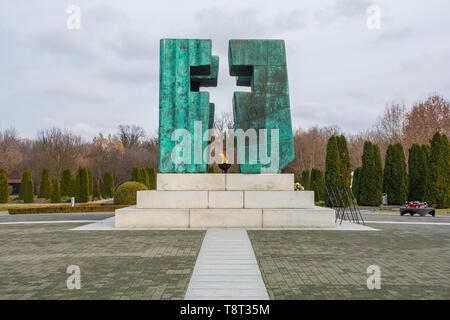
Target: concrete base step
[[232, 181], [316, 217], [157, 199]]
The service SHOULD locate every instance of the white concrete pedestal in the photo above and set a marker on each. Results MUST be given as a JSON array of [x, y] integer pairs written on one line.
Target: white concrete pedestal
[[225, 200]]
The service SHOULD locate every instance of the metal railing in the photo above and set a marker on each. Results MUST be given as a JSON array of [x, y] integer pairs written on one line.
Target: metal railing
[[343, 201]]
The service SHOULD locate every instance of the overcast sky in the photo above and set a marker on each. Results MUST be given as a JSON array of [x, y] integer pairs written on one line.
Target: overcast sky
[[105, 74]]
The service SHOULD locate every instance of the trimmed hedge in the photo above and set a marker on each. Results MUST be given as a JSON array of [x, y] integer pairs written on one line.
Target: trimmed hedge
[[126, 193], [67, 209]]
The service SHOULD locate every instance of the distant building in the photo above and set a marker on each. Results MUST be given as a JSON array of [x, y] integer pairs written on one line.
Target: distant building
[[15, 185]]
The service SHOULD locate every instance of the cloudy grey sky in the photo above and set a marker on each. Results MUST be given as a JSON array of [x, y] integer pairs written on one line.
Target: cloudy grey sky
[[105, 74]]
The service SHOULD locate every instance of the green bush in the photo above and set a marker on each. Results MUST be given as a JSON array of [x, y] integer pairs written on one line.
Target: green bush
[[46, 187], [4, 188], [126, 193], [108, 185], [56, 196], [66, 183]]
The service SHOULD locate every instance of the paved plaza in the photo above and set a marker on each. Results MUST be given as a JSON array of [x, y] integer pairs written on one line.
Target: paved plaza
[[35, 251]]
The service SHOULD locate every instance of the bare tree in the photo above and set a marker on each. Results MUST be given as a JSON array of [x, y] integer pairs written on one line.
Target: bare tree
[[224, 122], [130, 136], [425, 118], [57, 150], [389, 126], [10, 153]]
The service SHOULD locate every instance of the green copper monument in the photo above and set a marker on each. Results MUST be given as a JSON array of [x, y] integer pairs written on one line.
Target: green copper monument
[[185, 66], [261, 64]]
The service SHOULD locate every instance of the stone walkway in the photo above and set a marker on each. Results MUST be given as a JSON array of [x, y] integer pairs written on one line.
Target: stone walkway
[[151, 265], [226, 268], [413, 254], [414, 260]]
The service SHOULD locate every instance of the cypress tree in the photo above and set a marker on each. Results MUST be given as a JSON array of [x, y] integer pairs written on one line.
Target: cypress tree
[[96, 194], [371, 177], [4, 187], [355, 183], [27, 187], [108, 185], [387, 173], [82, 185], [426, 150], [416, 173], [439, 173], [318, 184], [66, 183], [306, 179], [152, 179], [395, 178], [91, 184], [46, 187], [145, 177], [345, 164], [73, 187], [56, 195], [332, 163], [76, 185], [22, 187], [136, 175], [210, 170]]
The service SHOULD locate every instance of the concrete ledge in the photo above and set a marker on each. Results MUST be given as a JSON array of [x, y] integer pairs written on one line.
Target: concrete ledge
[[279, 199], [132, 217], [190, 181], [228, 218], [226, 199], [237, 181], [156, 199], [317, 217]]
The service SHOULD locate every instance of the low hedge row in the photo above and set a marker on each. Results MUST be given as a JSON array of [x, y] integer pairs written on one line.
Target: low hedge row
[[67, 209]]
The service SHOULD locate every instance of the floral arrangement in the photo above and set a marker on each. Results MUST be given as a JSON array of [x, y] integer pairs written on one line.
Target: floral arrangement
[[298, 187]]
